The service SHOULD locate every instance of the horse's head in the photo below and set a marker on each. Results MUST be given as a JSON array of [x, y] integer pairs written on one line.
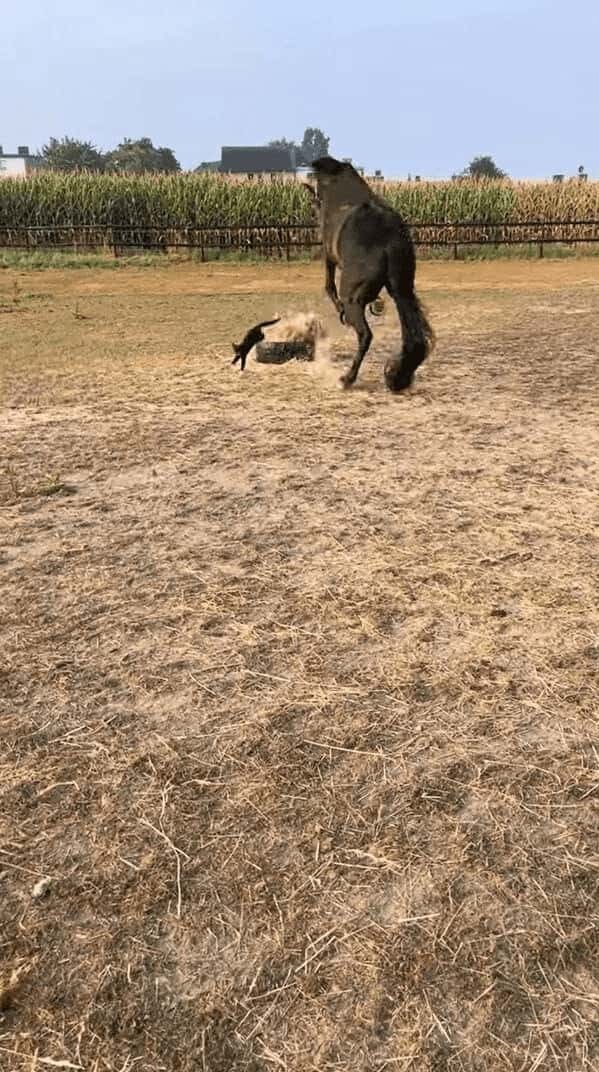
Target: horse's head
[[333, 176], [327, 165], [325, 170]]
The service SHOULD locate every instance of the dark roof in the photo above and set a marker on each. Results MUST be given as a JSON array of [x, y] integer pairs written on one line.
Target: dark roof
[[255, 158]]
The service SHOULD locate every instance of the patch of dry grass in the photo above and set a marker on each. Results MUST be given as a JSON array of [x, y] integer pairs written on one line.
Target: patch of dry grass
[[299, 689]]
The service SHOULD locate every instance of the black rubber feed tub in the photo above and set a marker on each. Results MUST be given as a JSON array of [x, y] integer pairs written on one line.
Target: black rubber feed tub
[[278, 353]]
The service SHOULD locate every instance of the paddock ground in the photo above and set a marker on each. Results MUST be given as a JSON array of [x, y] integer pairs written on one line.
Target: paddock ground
[[298, 688]]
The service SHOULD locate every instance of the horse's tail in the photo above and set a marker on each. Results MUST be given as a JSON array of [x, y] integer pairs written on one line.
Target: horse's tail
[[418, 336]]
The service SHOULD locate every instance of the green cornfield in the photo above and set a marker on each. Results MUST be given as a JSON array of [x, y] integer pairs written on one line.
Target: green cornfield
[[50, 199]]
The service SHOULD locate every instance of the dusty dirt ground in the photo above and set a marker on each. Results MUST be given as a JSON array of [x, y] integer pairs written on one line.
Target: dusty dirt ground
[[298, 689]]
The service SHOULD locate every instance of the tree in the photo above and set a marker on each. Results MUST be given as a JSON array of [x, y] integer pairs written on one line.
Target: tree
[[70, 154], [481, 167], [141, 155], [314, 144], [282, 143]]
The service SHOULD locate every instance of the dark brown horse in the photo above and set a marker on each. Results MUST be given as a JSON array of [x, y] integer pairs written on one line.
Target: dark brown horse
[[369, 242]]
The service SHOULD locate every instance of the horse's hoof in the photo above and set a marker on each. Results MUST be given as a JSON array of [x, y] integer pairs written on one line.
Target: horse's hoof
[[345, 382]]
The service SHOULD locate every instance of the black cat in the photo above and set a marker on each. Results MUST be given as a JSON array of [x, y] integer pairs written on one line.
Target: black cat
[[254, 335]]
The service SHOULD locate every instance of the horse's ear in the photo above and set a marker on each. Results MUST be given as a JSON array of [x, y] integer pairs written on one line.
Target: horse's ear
[[311, 191]]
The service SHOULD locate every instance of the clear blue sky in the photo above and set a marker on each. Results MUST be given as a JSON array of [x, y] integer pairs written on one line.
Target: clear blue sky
[[419, 87]]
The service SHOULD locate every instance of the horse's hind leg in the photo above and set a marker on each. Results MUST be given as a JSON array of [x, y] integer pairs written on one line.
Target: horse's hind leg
[[355, 316]]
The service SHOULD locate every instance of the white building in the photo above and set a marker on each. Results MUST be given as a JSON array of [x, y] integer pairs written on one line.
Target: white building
[[20, 163]]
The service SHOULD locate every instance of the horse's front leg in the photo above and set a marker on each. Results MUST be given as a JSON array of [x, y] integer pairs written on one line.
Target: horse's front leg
[[331, 288]]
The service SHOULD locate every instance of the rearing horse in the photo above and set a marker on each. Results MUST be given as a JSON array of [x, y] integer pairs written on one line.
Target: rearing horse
[[369, 242]]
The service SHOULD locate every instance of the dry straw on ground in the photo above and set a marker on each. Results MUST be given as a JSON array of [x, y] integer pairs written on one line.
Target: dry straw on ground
[[299, 689]]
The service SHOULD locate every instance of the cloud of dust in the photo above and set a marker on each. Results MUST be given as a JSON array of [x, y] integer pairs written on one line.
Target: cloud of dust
[[307, 327], [323, 367], [297, 327]]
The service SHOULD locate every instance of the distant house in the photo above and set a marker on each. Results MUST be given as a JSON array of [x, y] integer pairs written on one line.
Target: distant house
[[256, 160], [20, 163]]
